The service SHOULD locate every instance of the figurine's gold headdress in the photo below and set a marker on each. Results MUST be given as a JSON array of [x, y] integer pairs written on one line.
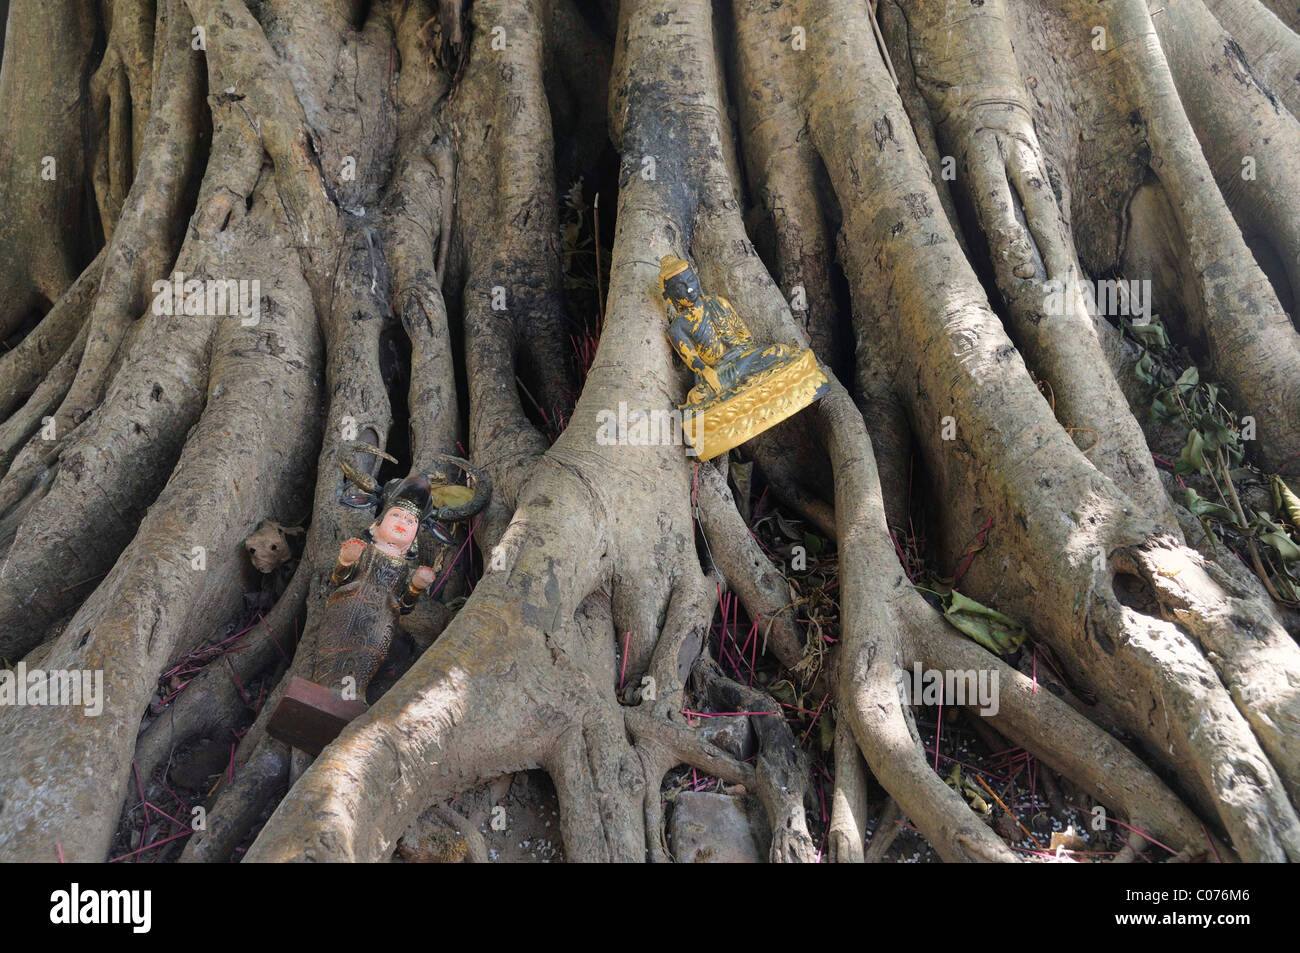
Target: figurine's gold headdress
[[409, 505], [669, 266]]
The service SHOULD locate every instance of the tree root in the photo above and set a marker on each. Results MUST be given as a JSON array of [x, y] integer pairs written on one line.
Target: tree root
[[17, 431], [512, 162], [421, 194], [179, 574], [42, 155], [1250, 339], [1236, 117], [763, 591], [1033, 718], [573, 651], [496, 193], [848, 830], [1285, 11], [240, 803], [157, 395], [143, 244], [788, 174], [960, 340], [981, 110], [781, 777], [1272, 47], [213, 700], [23, 368], [121, 93], [888, 827]]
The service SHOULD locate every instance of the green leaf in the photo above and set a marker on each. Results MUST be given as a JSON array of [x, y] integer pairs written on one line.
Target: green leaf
[[1165, 413], [998, 633], [1203, 507], [1152, 334], [1192, 459], [813, 543], [1146, 369], [1285, 587], [1286, 548], [1215, 434], [1188, 380], [1276, 537]]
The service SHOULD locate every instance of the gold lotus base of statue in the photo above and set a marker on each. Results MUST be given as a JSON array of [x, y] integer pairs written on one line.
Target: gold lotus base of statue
[[723, 421]]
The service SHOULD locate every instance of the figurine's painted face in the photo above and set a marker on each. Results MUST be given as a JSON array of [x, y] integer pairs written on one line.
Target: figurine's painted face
[[683, 290], [397, 528]]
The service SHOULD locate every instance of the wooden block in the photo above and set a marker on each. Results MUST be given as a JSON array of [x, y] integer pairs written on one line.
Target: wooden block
[[310, 716]]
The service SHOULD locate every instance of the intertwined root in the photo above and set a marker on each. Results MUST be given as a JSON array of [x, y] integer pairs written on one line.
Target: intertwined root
[[950, 329]]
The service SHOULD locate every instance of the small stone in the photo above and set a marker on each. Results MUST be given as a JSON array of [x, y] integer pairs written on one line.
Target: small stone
[[732, 733], [439, 846], [712, 829], [1007, 828]]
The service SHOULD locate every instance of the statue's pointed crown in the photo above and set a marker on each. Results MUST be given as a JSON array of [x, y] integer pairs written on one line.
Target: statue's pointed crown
[[669, 266]]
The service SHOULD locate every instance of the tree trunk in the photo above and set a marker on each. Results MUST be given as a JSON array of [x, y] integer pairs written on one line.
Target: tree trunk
[[961, 208]]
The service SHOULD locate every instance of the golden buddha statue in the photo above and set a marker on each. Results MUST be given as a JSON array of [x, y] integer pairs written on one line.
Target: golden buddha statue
[[741, 388]]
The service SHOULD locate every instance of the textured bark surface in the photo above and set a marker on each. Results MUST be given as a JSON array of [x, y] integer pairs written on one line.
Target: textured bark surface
[[904, 186]]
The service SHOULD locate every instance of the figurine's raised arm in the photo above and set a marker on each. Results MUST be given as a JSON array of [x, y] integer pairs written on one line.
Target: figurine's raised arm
[[349, 553], [421, 579]]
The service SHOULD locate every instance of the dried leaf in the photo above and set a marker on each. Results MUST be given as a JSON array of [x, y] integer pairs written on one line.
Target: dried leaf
[[1069, 839], [452, 494], [742, 476], [1286, 501], [826, 732], [787, 528]]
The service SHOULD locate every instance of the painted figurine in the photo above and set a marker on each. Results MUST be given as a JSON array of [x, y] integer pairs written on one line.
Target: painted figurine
[[378, 579], [742, 388]]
